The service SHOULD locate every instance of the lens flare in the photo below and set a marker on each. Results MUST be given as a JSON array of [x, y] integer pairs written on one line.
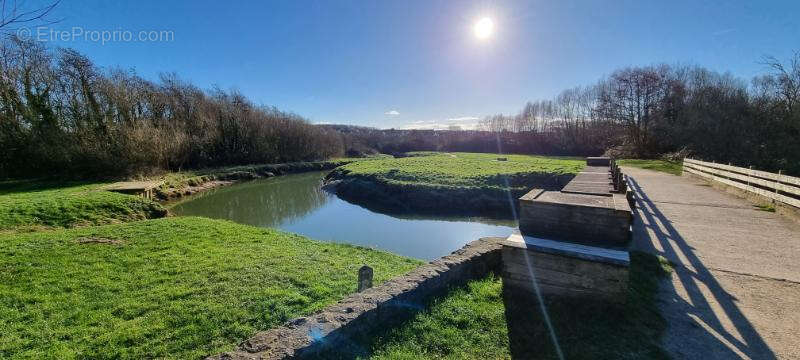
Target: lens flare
[[484, 28]]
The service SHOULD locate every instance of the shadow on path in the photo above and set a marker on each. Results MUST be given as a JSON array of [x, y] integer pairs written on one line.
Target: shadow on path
[[708, 307]]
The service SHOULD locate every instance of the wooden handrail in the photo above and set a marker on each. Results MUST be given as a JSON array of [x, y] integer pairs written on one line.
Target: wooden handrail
[[750, 172], [770, 185]]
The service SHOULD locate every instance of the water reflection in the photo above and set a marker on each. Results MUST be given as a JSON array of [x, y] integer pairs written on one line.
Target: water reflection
[[265, 203], [296, 203]]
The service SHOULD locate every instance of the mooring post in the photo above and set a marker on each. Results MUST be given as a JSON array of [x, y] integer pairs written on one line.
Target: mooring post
[[364, 278], [614, 178], [623, 183]]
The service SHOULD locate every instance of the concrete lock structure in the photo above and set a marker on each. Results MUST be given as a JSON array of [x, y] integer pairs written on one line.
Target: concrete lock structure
[[576, 252], [572, 242]]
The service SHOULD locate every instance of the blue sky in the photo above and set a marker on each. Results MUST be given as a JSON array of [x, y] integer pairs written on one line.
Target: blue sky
[[418, 63]]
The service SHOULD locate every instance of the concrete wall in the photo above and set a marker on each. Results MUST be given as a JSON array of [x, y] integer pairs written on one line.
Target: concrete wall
[[592, 208], [564, 270], [373, 309], [601, 224], [598, 161]]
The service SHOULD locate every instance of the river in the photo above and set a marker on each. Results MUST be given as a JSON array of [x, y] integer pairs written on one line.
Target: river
[[297, 203]]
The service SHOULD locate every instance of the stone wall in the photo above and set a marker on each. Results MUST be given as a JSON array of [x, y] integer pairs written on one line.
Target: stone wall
[[373, 309]]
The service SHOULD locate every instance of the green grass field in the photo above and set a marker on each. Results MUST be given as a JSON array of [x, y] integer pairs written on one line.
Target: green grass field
[[36, 204], [669, 167], [468, 323], [188, 287], [463, 170], [166, 288]]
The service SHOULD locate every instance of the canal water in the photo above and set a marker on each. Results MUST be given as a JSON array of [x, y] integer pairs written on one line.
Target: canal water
[[297, 203]]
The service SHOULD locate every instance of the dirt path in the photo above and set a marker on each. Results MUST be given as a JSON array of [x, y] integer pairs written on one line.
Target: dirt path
[[736, 289]]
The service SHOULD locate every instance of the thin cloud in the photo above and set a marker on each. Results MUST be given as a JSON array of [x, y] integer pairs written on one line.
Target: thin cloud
[[723, 32], [392, 113], [463, 119], [463, 123]]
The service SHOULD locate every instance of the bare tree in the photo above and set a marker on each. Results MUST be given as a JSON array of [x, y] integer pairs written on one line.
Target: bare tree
[[786, 78], [14, 13]]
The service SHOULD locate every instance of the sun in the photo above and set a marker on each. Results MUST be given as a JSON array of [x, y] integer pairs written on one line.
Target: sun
[[484, 28]]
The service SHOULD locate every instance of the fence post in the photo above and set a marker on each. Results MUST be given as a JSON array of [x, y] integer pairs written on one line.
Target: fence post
[[778, 182], [748, 177]]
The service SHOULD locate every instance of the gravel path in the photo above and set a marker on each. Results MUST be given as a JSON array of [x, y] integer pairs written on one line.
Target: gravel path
[[735, 292]]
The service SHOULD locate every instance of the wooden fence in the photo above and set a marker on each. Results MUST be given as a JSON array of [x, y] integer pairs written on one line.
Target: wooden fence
[[778, 187]]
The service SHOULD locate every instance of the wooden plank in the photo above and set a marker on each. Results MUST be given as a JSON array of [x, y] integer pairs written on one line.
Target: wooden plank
[[748, 179], [517, 260], [756, 173], [601, 189], [586, 252], [769, 194]]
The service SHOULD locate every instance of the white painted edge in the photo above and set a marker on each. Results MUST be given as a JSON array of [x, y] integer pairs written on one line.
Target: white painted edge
[[587, 252]]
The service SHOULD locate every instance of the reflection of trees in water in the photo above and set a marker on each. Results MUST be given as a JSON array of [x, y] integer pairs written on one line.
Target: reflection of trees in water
[[267, 203], [397, 212], [455, 218], [285, 199]]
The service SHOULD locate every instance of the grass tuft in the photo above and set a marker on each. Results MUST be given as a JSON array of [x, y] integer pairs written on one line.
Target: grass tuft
[[765, 207]]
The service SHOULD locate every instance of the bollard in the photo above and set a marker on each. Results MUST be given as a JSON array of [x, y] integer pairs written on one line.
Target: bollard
[[364, 278], [631, 199], [623, 184]]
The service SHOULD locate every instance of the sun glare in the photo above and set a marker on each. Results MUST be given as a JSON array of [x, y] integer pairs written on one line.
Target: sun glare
[[484, 28]]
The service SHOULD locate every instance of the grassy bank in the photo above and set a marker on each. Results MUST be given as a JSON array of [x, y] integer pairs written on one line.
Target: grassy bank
[[669, 167], [463, 170], [182, 183], [174, 287], [450, 182], [477, 322], [29, 205]]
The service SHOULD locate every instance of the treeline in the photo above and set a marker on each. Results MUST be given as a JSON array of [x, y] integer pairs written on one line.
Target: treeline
[[642, 112], [62, 115], [359, 141], [653, 110]]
